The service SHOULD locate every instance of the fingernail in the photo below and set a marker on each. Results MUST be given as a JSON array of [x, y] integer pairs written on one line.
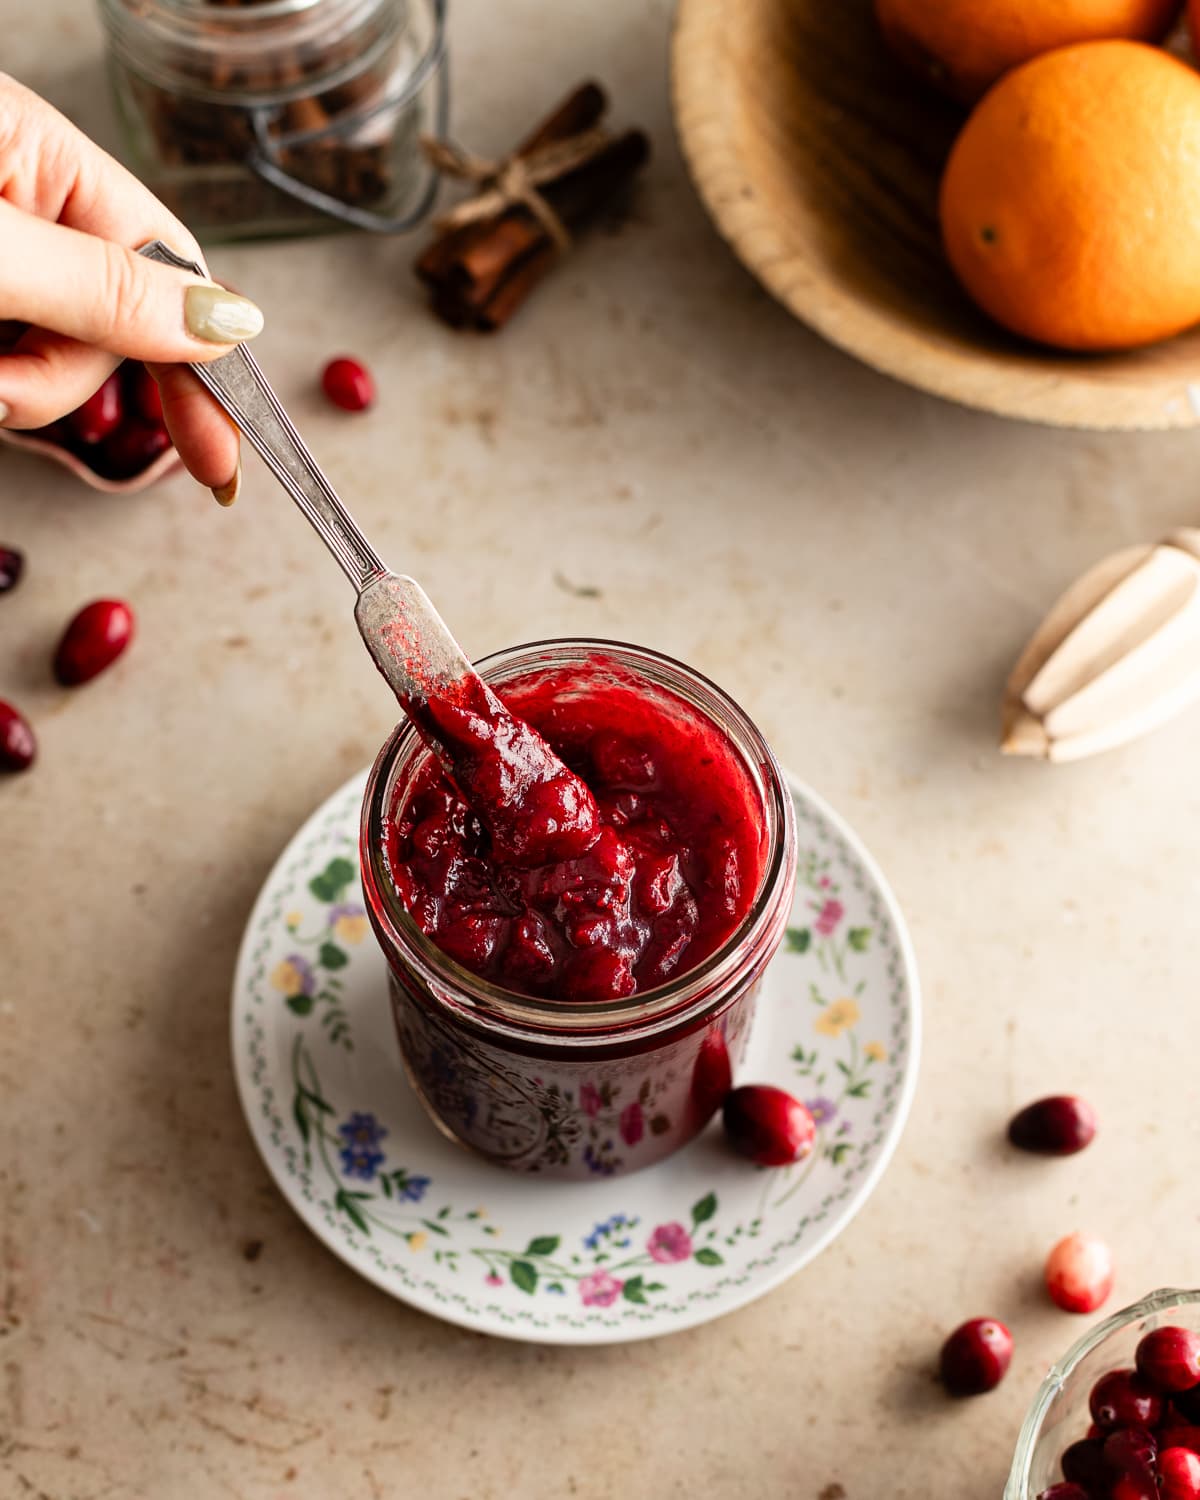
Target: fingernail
[[5, 409], [220, 317], [226, 494]]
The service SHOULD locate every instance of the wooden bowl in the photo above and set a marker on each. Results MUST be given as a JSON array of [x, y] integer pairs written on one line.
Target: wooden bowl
[[819, 160]]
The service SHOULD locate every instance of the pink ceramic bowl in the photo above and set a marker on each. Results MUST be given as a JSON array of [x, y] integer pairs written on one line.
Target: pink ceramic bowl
[[165, 463]]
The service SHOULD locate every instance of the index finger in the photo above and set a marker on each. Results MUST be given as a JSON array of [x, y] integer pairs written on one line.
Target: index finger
[[49, 168]]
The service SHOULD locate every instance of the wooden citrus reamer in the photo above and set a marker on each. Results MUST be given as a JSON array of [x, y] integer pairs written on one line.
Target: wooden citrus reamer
[[1118, 655]]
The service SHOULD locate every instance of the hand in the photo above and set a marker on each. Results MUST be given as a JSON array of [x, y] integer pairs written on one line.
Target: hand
[[70, 219]]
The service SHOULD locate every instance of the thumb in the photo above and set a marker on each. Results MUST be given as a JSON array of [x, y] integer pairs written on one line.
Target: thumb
[[110, 297]]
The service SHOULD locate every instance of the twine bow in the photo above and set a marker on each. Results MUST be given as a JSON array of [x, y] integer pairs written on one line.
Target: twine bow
[[513, 179]]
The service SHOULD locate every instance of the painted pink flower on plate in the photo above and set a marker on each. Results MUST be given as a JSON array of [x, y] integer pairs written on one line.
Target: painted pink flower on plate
[[633, 1126], [600, 1289], [669, 1243], [828, 918], [589, 1097], [491, 1279]]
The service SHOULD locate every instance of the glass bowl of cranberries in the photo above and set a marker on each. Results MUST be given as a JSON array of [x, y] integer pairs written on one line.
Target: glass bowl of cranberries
[[534, 1001], [1118, 1418], [115, 442]]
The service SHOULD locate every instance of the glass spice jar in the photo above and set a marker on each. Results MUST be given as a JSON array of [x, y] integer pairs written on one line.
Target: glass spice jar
[[564, 1089], [251, 118]]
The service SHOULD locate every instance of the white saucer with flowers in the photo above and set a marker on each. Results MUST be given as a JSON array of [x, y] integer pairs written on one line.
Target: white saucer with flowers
[[604, 1261]]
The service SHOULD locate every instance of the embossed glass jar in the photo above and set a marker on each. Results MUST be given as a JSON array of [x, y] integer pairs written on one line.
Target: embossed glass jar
[[564, 1089], [269, 117]]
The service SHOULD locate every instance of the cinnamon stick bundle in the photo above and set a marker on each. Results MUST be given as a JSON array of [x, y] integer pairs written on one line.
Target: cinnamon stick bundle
[[480, 273]]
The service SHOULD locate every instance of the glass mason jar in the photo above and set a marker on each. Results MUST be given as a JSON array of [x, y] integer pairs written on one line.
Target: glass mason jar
[[269, 117], [563, 1089]]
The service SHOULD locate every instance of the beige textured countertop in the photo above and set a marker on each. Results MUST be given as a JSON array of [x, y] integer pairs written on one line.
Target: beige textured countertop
[[859, 564]]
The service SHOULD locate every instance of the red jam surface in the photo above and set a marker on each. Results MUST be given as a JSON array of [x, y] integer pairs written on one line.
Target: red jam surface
[[579, 894], [535, 810]]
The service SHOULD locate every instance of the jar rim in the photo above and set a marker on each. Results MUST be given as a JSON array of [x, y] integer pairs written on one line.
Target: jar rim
[[677, 1000]]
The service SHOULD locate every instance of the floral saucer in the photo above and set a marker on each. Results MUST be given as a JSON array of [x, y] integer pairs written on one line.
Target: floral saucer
[[607, 1261]]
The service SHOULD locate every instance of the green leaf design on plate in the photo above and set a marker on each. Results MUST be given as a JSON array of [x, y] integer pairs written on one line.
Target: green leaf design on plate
[[300, 1005], [524, 1276], [545, 1244], [332, 957], [345, 1201], [707, 1257], [314, 1099], [634, 1290], [301, 1117], [704, 1210], [799, 939], [858, 938], [331, 883]]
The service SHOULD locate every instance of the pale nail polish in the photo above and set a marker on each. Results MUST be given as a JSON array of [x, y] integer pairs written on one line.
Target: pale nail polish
[[5, 411], [226, 494], [220, 317]]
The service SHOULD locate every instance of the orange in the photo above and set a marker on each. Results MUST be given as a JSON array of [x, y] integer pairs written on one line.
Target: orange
[[1070, 204], [963, 46]]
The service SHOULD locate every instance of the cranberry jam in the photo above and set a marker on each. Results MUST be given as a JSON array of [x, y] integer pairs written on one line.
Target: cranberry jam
[[577, 927], [651, 882]]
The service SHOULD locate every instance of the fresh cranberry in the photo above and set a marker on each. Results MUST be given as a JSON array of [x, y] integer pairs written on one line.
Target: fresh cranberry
[[1083, 1464], [1079, 1273], [1130, 1450], [143, 392], [12, 565], [975, 1357], [348, 384], [1139, 1486], [1174, 1434], [92, 641], [1057, 1126], [17, 744], [768, 1125], [1179, 1474], [1169, 1358], [1065, 1491], [100, 414], [131, 449], [1123, 1399]]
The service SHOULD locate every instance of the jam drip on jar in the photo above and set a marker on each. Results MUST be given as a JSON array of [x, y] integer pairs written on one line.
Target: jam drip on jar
[[595, 842]]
